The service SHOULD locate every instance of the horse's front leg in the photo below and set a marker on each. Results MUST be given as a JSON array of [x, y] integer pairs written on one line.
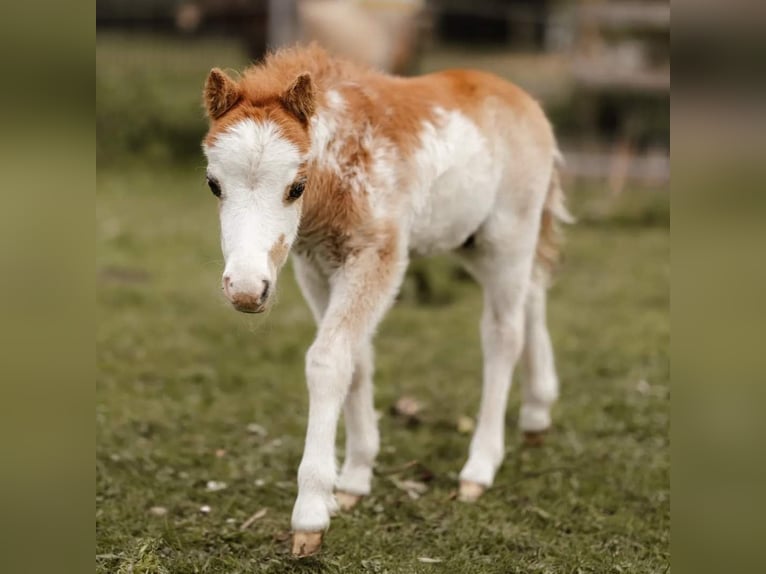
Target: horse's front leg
[[361, 291], [328, 372]]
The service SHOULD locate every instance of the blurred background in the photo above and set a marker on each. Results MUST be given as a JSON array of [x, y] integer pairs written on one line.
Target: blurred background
[[200, 411], [601, 68]]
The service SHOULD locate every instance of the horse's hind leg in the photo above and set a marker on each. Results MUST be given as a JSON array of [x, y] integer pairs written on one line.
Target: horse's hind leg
[[505, 277], [540, 385], [362, 438]]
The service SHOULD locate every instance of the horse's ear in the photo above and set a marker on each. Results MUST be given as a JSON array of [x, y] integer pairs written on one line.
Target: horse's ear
[[300, 97], [221, 93]]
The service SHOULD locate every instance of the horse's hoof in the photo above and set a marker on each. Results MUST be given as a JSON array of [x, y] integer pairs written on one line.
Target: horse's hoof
[[534, 438], [346, 500], [470, 491], [306, 543]]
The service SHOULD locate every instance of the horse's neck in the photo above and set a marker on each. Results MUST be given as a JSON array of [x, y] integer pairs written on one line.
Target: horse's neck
[[342, 149], [336, 123]]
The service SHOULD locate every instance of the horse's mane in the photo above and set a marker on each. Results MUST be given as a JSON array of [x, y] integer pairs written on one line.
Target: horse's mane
[[268, 78]]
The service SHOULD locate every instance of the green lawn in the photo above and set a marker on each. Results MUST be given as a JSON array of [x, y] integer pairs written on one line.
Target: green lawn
[[182, 378]]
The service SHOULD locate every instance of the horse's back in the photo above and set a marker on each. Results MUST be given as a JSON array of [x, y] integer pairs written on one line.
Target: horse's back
[[487, 148]]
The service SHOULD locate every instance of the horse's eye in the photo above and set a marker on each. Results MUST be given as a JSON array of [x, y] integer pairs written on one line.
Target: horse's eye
[[214, 187], [297, 189]]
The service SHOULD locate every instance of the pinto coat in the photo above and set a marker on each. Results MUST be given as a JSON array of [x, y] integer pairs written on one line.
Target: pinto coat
[[354, 172]]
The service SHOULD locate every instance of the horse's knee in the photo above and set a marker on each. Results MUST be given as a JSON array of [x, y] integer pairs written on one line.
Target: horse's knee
[[329, 367], [505, 331]]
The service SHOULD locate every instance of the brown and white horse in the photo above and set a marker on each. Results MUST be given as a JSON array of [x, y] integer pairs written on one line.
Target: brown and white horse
[[354, 171]]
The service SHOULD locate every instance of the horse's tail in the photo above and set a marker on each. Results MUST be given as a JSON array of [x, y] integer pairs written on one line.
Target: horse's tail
[[554, 213]]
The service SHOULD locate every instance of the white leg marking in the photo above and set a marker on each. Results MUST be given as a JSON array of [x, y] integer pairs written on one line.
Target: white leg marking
[[360, 295], [328, 373], [362, 438], [540, 386], [502, 332], [314, 511]]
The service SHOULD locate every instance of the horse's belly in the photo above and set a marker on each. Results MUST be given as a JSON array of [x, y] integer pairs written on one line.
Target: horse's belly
[[453, 213], [452, 204]]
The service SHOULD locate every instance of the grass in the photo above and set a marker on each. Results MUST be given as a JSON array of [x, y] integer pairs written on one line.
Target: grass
[[182, 378], [149, 94]]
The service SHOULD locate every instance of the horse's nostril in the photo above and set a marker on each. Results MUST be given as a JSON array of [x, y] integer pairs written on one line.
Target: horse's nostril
[[265, 293]]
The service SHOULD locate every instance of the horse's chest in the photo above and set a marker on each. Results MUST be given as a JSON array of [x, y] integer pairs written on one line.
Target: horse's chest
[[457, 186]]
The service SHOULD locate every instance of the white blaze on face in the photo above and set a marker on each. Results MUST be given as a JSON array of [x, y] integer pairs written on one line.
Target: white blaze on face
[[254, 165]]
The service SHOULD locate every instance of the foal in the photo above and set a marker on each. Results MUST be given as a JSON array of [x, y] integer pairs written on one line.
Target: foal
[[354, 171]]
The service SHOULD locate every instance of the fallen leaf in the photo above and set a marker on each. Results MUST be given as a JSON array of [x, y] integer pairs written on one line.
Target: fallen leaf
[[465, 425], [413, 488], [255, 428], [215, 485], [418, 487], [158, 510], [260, 514], [407, 407], [282, 536], [205, 509], [427, 560], [220, 453]]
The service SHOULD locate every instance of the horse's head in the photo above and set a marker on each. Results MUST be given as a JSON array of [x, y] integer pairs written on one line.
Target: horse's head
[[256, 149]]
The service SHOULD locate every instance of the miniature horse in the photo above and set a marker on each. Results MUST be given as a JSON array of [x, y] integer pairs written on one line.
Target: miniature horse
[[354, 171]]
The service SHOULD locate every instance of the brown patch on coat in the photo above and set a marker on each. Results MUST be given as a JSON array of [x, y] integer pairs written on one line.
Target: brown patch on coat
[[377, 262], [334, 218], [289, 85], [278, 252], [397, 107]]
